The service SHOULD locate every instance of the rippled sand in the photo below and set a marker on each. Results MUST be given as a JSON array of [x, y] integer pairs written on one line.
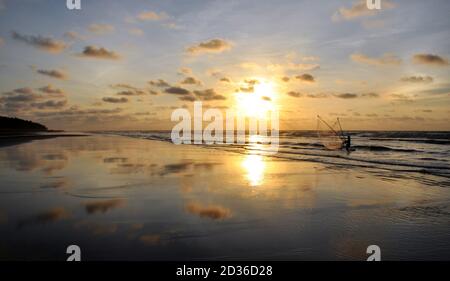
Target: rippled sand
[[121, 198]]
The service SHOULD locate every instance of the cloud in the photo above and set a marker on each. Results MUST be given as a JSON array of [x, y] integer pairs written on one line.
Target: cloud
[[53, 73], [359, 9], [49, 89], [285, 79], [346, 96], [386, 59], [250, 89], [99, 28], [251, 82], [191, 81], [136, 31], [47, 44], [317, 96], [430, 59], [211, 212], [208, 95], [50, 104], [99, 53], [295, 94], [176, 91], [293, 66], [72, 35], [135, 92], [417, 79], [225, 79], [189, 98], [76, 112], [151, 16], [370, 95], [160, 83], [2, 42], [103, 206], [185, 71], [306, 78], [211, 46], [115, 100]]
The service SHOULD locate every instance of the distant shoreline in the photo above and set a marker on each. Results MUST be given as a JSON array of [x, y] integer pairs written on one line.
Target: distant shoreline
[[23, 137]]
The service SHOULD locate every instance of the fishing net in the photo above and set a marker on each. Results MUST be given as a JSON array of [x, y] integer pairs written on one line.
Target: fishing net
[[330, 135]]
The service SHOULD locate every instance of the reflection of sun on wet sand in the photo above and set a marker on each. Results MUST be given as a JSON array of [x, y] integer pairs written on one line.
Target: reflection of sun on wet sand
[[125, 198]]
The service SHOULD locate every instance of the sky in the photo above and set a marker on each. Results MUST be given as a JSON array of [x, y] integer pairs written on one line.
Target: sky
[[126, 65]]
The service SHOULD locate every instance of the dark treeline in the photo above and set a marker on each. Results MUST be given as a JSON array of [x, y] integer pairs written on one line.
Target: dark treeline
[[16, 124]]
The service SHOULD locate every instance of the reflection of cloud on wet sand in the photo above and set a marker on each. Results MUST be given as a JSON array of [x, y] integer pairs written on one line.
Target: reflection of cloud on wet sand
[[175, 168], [214, 212], [115, 160], [52, 215], [60, 183], [150, 239], [103, 206], [97, 228], [186, 166]]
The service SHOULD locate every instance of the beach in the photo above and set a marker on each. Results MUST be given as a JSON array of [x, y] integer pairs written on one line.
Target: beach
[[123, 198]]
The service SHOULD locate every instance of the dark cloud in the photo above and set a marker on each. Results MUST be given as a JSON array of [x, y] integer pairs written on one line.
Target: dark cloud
[[285, 79], [191, 81], [189, 98], [266, 98], [430, 59], [370, 95], [317, 96], [306, 78], [251, 82], [99, 53], [177, 91], [417, 79], [212, 46], [43, 43], [346, 96], [115, 100], [53, 73], [295, 94], [50, 104], [135, 92], [75, 111], [159, 83], [225, 79], [103, 206], [153, 93], [209, 94], [250, 89]]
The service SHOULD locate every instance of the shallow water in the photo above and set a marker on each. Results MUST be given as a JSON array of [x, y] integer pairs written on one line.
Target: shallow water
[[123, 198]]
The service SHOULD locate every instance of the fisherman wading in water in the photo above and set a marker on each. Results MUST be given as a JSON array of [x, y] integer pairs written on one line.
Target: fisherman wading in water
[[348, 143]]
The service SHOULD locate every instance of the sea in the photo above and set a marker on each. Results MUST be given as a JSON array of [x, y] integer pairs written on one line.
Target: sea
[[423, 156]]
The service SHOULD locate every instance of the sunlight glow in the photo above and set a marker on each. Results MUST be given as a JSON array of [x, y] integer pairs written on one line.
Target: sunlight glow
[[259, 102], [254, 166]]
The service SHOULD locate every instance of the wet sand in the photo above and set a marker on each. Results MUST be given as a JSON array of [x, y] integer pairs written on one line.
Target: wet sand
[[121, 198]]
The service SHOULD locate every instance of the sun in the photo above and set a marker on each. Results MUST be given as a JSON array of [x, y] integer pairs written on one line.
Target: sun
[[259, 102]]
